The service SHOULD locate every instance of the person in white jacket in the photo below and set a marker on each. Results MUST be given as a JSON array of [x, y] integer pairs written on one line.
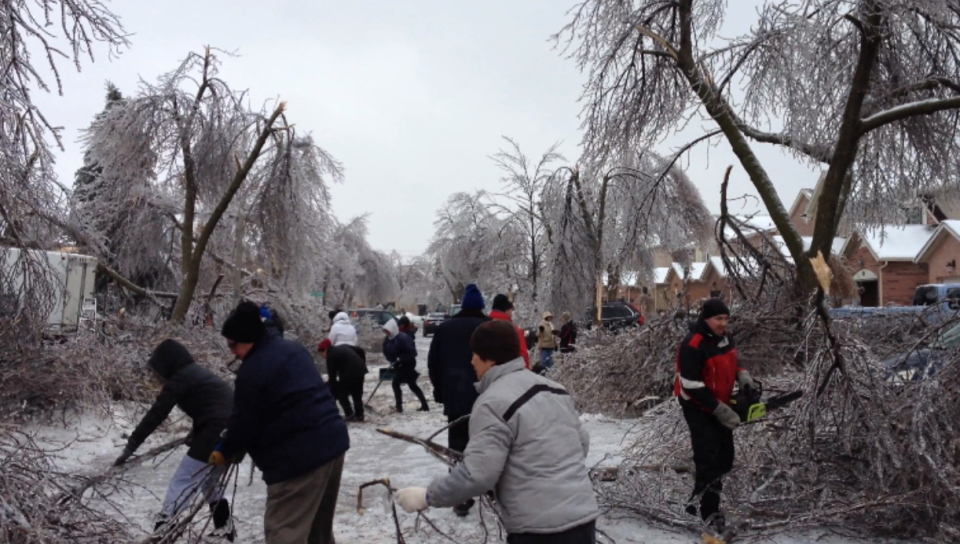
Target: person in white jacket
[[342, 333]]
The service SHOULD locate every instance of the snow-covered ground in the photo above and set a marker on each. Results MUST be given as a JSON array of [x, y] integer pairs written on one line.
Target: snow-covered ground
[[90, 442]]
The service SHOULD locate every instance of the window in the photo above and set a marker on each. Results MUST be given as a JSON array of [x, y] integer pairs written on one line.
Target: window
[[915, 215]]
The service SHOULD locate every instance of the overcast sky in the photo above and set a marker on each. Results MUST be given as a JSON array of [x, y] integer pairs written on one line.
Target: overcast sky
[[412, 97]]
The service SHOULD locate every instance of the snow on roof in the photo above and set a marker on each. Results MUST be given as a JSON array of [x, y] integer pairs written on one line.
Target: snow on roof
[[900, 243], [660, 274], [696, 270], [717, 264], [836, 248], [763, 223]]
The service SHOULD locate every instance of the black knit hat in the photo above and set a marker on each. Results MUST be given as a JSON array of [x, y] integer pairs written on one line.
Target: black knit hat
[[501, 303], [713, 307], [244, 324], [496, 341]]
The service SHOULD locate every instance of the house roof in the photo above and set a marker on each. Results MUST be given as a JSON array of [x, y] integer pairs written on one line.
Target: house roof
[[763, 223], [949, 227], [696, 271], [714, 263], [899, 243], [836, 248], [660, 274], [804, 193]]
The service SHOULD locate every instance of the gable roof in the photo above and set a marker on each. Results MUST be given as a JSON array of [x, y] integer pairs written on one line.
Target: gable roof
[[948, 227], [660, 275], [762, 223], [899, 243], [696, 271], [803, 194]]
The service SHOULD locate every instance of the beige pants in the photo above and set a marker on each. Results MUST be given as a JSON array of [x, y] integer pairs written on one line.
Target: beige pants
[[301, 510]]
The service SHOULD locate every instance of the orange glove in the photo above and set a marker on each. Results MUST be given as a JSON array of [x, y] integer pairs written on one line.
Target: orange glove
[[216, 459]]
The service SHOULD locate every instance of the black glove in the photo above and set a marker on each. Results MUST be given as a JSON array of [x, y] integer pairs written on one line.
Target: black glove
[[127, 452]]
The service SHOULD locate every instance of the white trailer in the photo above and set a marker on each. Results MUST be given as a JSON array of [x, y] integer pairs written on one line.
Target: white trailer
[[71, 276]]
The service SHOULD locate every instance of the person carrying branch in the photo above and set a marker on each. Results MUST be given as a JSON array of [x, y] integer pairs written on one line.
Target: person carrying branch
[[707, 370], [206, 399], [401, 351], [286, 419], [526, 444]]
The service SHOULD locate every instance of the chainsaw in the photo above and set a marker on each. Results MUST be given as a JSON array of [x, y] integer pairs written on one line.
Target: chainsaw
[[747, 404]]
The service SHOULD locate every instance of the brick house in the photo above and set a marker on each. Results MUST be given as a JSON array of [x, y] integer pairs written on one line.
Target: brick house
[[686, 282], [885, 263], [941, 252]]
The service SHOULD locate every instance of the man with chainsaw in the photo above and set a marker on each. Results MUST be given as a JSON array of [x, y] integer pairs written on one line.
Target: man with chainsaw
[[707, 370]]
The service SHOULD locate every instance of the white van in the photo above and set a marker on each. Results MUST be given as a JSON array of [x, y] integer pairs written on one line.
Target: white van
[[73, 279]]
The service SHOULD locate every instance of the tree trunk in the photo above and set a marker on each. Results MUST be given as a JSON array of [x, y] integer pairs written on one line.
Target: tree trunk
[[189, 285], [238, 258]]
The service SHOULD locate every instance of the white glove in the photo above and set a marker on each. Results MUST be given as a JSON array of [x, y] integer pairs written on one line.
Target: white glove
[[412, 499]]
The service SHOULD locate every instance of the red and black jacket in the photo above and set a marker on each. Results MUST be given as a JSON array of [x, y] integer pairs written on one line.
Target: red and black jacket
[[706, 367]]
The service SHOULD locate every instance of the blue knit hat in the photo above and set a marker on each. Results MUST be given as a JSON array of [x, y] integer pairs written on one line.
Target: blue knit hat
[[472, 299]]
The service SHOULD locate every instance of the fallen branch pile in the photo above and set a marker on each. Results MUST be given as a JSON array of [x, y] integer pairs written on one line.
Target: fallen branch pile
[[36, 502]]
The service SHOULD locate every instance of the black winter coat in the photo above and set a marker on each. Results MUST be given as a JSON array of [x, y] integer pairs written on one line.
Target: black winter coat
[[284, 416], [401, 351], [344, 364], [451, 373], [568, 337], [203, 396]]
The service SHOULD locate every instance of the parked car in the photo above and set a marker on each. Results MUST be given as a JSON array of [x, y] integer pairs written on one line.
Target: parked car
[[431, 322], [935, 293], [378, 317], [617, 316], [922, 363]]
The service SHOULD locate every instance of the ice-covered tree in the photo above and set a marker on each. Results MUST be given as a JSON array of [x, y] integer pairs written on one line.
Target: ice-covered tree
[[34, 34], [606, 217], [472, 244], [195, 149], [355, 271], [524, 183], [865, 89]]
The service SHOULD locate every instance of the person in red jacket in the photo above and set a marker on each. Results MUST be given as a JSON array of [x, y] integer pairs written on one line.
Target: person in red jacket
[[707, 370], [503, 311]]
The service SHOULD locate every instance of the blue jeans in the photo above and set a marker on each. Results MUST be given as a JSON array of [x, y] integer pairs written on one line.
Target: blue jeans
[[546, 358]]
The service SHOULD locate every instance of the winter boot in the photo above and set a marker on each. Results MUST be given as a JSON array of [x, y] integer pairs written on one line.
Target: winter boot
[[222, 520], [399, 409], [424, 407], [463, 510]]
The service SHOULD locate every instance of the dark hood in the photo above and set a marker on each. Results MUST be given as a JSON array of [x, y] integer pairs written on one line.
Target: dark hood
[[169, 357]]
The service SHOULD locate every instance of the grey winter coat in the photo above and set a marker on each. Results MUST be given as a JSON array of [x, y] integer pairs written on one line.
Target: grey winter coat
[[526, 444]]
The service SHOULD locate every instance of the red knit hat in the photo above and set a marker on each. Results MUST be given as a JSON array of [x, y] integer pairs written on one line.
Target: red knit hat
[[325, 345]]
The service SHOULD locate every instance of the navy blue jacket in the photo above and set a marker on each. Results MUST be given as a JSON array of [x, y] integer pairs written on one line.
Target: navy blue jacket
[[284, 416], [451, 372], [401, 351]]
